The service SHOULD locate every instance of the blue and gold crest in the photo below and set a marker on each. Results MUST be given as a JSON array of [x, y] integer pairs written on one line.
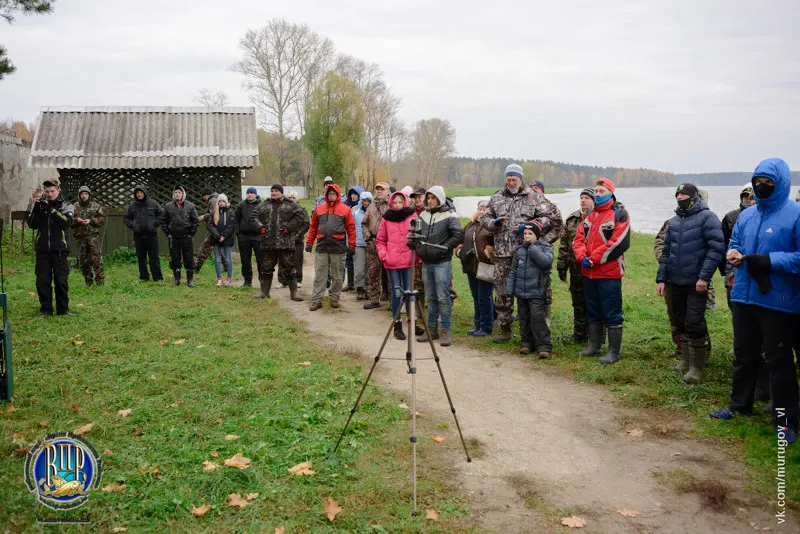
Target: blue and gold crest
[[62, 469]]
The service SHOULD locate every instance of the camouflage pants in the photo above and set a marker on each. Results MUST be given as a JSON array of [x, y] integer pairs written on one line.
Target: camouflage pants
[[503, 302], [206, 248], [711, 303], [91, 257], [373, 273], [284, 259], [578, 302]]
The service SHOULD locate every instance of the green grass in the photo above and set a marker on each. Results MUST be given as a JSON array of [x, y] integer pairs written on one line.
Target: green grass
[[236, 373], [644, 378], [488, 191]]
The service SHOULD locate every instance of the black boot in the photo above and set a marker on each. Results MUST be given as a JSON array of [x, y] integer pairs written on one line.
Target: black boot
[[176, 277], [398, 331], [190, 278], [266, 284], [350, 283], [293, 294], [614, 344], [595, 334]]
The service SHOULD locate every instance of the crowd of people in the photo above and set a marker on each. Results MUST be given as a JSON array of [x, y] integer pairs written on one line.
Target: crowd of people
[[506, 250]]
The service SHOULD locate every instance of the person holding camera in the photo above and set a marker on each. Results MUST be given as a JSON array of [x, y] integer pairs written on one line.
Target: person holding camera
[[89, 219], [143, 216], [52, 216]]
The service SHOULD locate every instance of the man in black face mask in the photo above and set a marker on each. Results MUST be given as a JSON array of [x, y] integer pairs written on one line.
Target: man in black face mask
[[693, 249]]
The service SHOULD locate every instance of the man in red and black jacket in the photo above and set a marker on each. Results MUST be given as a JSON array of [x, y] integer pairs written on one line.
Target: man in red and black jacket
[[599, 245], [334, 229]]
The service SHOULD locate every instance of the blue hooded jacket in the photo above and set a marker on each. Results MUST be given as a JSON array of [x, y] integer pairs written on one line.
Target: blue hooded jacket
[[355, 189], [770, 227], [358, 215]]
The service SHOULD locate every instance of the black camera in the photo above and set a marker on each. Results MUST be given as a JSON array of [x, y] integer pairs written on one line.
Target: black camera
[[43, 202], [414, 237]]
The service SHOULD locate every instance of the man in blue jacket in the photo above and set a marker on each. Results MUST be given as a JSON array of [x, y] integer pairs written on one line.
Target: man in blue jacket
[[693, 249], [765, 250]]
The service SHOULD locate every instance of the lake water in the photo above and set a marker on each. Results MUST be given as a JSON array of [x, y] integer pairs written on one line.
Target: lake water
[[648, 207]]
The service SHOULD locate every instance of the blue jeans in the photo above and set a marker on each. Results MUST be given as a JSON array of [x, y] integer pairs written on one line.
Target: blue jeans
[[603, 300], [400, 279], [228, 259], [436, 277], [482, 302]]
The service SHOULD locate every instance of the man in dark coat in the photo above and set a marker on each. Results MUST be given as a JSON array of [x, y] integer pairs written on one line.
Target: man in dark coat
[[568, 264], [143, 217], [247, 233], [278, 220], [693, 249], [86, 227], [180, 222], [52, 217]]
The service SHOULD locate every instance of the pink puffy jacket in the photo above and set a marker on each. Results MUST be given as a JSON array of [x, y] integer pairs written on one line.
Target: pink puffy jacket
[[391, 241]]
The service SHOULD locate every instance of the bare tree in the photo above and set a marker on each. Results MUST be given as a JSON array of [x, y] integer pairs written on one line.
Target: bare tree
[[394, 143], [211, 99], [432, 142]]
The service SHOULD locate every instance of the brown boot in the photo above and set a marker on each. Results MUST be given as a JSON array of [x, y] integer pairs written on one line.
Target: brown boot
[[335, 303], [315, 305], [504, 335]]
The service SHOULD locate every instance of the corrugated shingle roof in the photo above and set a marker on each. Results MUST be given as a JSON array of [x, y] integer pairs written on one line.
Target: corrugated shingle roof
[[145, 138]]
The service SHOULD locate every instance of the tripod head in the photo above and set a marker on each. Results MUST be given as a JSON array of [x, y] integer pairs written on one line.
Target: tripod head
[[414, 238]]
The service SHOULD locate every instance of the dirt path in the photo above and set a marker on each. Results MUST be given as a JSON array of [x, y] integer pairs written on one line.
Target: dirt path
[[547, 441]]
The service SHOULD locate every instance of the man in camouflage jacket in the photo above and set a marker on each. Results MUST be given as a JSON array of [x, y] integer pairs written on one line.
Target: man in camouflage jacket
[[506, 210], [86, 228], [369, 230], [568, 264]]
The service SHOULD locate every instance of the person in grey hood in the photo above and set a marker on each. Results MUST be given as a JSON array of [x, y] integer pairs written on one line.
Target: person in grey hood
[[440, 227], [180, 222], [143, 216], [247, 234]]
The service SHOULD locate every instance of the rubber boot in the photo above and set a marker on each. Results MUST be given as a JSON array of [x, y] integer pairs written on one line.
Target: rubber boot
[[293, 294], [176, 277], [350, 284], [683, 365], [698, 357], [614, 344], [504, 335], [398, 330], [266, 284], [594, 332], [190, 278]]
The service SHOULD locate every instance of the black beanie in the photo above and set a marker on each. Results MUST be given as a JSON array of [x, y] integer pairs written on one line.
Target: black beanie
[[687, 189], [588, 192], [277, 187], [207, 192]]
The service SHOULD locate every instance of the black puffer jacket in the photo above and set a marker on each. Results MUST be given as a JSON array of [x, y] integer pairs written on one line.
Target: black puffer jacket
[[180, 221], [143, 216], [693, 246], [244, 217], [224, 227], [53, 221], [440, 226]]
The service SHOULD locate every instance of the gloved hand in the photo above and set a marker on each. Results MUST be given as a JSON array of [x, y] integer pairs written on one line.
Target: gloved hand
[[308, 248], [562, 275], [758, 263], [586, 262]]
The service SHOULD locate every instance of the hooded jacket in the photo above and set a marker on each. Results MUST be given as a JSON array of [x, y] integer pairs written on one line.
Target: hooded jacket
[[143, 216], [566, 256], [243, 215], [332, 225], [440, 226], [476, 238], [604, 237], [530, 270], [53, 221], [358, 217], [393, 250], [693, 246], [180, 220], [224, 227], [281, 220], [509, 209], [355, 189], [372, 219], [90, 210], [771, 227]]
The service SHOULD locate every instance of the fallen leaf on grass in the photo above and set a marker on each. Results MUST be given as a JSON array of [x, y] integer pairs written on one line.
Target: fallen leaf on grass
[[152, 377], [332, 508], [18, 437], [573, 521], [304, 364], [432, 514], [214, 454], [81, 430], [125, 413], [303, 469], [218, 422], [234, 500], [238, 461], [113, 487], [280, 530], [437, 439], [136, 432], [199, 346], [147, 468], [23, 451], [107, 452], [95, 348], [81, 305], [625, 512], [44, 424], [251, 496], [119, 529], [163, 342], [179, 342], [403, 405], [200, 511], [230, 437], [31, 293], [209, 466], [77, 341], [75, 407], [179, 401], [12, 409], [635, 433]]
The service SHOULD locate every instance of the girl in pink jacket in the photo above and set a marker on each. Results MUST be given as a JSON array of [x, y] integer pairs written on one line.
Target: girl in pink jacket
[[394, 253]]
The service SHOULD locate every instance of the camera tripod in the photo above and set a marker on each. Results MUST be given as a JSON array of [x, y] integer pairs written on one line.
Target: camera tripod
[[413, 307]]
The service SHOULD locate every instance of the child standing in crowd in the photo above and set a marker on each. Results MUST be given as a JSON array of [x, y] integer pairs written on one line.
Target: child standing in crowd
[[394, 253], [528, 280], [221, 228]]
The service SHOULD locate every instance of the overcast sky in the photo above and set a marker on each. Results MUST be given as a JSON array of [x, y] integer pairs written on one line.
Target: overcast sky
[[677, 85]]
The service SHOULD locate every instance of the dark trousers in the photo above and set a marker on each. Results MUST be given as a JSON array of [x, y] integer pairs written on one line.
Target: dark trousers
[[52, 267], [482, 303], [298, 260], [181, 248], [578, 302], [284, 259], [533, 327], [248, 246], [755, 329], [147, 248], [603, 300], [689, 311]]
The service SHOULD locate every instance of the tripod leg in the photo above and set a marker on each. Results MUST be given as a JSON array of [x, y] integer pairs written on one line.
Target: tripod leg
[[366, 381], [444, 383]]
